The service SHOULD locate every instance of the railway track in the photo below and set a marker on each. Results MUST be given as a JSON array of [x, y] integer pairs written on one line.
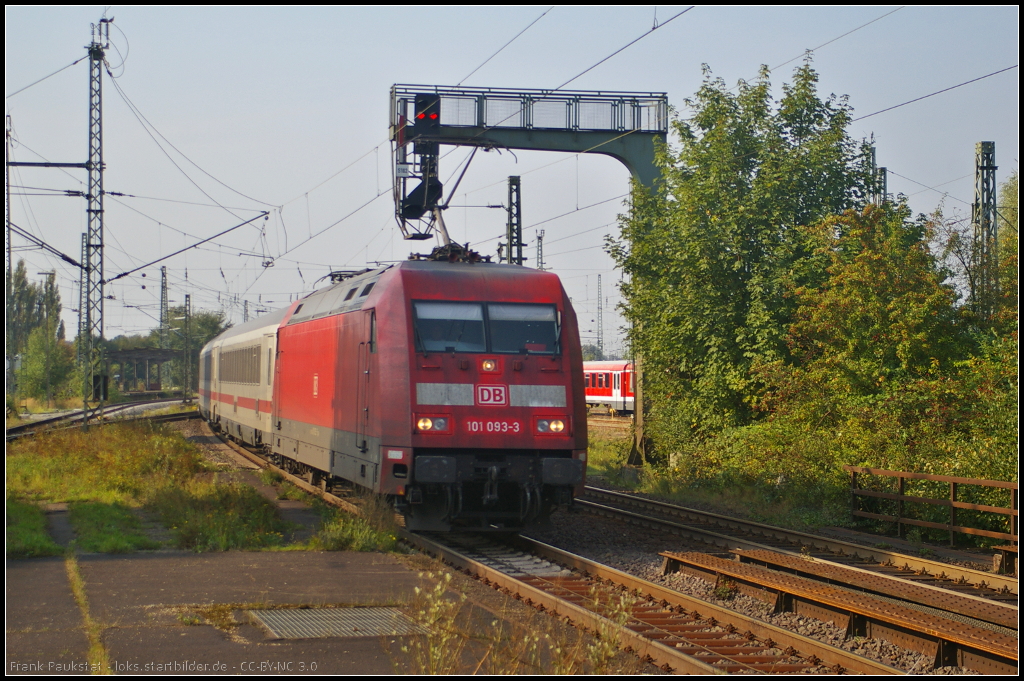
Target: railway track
[[619, 425], [662, 626], [730, 533], [74, 418], [677, 632], [674, 631], [956, 616]]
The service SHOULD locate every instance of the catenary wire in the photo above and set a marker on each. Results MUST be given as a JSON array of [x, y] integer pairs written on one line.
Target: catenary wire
[[939, 92], [45, 77], [504, 46]]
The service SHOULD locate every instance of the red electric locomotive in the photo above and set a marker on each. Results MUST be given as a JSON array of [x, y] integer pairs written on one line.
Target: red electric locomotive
[[609, 385], [455, 388]]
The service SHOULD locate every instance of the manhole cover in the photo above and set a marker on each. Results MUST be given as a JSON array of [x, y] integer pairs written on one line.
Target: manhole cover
[[336, 622]]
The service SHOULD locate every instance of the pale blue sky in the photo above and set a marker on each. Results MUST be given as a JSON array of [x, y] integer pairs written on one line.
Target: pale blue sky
[[273, 101]]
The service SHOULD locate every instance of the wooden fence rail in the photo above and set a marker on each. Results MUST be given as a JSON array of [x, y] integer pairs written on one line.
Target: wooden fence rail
[[952, 503]]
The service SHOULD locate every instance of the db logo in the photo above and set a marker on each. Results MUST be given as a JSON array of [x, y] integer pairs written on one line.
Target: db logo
[[492, 395]]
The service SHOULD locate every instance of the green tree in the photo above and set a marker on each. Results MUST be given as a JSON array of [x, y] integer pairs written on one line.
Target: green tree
[[26, 312], [48, 367], [1008, 218], [47, 359], [885, 369], [884, 312], [204, 327], [713, 253], [592, 353]]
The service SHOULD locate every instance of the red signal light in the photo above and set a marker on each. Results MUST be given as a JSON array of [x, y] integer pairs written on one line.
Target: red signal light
[[427, 121]]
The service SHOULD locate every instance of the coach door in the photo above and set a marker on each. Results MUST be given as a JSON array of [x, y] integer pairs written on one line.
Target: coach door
[[265, 402], [275, 397]]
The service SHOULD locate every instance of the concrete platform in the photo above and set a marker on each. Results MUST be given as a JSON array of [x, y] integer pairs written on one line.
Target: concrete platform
[[185, 613], [44, 625]]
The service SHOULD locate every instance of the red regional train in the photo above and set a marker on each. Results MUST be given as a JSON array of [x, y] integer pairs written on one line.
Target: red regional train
[[454, 388], [609, 385]]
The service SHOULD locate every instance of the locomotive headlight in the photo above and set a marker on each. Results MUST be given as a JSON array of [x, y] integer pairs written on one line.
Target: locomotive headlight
[[550, 426], [432, 424], [489, 365]]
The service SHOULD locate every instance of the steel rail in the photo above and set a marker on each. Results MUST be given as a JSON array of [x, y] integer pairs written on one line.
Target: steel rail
[[829, 572], [804, 540], [735, 545], [71, 418], [660, 653], [710, 615], [949, 642]]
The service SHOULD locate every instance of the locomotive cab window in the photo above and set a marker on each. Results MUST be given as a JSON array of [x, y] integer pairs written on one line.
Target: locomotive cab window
[[449, 327], [523, 328]]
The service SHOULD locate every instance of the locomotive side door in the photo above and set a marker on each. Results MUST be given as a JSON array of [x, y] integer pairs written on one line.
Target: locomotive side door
[[363, 382]]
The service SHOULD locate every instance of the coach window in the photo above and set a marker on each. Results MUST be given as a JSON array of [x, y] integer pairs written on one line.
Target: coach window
[[449, 326], [615, 381], [523, 328], [586, 380]]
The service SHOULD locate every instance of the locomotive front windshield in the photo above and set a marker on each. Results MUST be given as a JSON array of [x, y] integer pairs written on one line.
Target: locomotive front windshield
[[506, 328], [450, 327], [523, 328]]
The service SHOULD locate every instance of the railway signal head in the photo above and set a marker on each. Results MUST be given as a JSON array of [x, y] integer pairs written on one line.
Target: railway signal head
[[427, 119]]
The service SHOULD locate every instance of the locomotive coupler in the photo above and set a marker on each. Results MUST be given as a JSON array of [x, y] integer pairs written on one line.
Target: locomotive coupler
[[491, 486]]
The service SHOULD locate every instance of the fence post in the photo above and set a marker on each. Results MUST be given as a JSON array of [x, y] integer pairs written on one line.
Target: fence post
[[853, 493], [900, 489], [952, 513]]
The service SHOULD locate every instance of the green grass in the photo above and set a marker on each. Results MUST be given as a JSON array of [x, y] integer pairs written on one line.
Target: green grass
[[213, 516], [106, 472], [115, 463], [173, 409], [341, 531], [270, 477], [108, 528], [287, 490], [344, 532], [789, 505], [27, 536]]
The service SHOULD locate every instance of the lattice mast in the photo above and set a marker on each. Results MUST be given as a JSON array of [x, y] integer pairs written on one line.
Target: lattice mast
[[986, 231], [93, 379], [514, 228], [186, 388], [165, 313]]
